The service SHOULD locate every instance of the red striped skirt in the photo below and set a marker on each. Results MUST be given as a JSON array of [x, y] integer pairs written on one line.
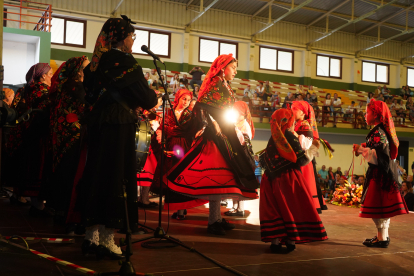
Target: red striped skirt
[[287, 210], [382, 204]]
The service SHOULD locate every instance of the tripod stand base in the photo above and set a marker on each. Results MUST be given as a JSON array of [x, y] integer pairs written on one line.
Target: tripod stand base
[[127, 269]]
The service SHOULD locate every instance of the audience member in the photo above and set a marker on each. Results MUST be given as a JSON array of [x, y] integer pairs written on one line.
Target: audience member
[[407, 193], [298, 97], [162, 81], [249, 91], [409, 104], [323, 176], [185, 81], [197, 73], [268, 90], [8, 96], [400, 171], [288, 99], [380, 97], [349, 112], [175, 82], [336, 106], [258, 170], [378, 90], [385, 92], [246, 98], [266, 110], [308, 98], [196, 90], [370, 96], [154, 78], [256, 104], [147, 77], [338, 171], [260, 91], [361, 180], [327, 109]]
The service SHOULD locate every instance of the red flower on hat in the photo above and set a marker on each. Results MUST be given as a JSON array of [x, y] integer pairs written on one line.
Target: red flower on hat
[[377, 139]]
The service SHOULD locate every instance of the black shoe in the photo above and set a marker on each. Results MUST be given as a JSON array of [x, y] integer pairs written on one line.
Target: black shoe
[[276, 248], [290, 247], [324, 207], [103, 251], [374, 242], [226, 225], [177, 216], [234, 212], [216, 228], [88, 248]]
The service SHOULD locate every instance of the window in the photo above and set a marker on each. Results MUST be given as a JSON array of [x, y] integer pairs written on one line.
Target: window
[[327, 66], [375, 72], [159, 43], [410, 77], [276, 59], [210, 49], [68, 32]]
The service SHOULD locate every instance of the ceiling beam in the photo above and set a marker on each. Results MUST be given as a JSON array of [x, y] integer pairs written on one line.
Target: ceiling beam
[[342, 15], [262, 8], [327, 13], [189, 3], [201, 13], [351, 22], [283, 16], [385, 40], [386, 19], [117, 7]]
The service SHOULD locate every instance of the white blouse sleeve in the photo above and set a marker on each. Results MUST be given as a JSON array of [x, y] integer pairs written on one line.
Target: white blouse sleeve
[[305, 142], [370, 155]]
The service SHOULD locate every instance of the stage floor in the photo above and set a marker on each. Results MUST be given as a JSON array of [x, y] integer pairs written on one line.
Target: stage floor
[[241, 248]]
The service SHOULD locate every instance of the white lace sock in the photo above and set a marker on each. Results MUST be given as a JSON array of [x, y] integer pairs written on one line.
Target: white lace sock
[[106, 238], [276, 241], [214, 214], [382, 225], [240, 206], [92, 234]]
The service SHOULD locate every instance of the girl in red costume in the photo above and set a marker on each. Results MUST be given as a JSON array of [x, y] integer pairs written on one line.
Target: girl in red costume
[[306, 125], [217, 166], [178, 141], [287, 213], [381, 199]]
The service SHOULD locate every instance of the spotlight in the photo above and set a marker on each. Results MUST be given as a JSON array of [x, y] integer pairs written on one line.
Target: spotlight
[[231, 116]]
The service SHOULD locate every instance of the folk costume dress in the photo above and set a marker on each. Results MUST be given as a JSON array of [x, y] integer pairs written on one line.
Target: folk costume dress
[[286, 208], [111, 162], [217, 165], [29, 140], [309, 129], [67, 112], [381, 198], [178, 138]]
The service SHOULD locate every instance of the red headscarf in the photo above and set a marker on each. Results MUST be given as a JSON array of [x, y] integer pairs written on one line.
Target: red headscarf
[[281, 120], [243, 110], [309, 115], [180, 93], [380, 109], [216, 68]]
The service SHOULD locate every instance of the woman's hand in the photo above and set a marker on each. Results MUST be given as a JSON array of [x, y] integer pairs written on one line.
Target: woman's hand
[[159, 136], [295, 133], [356, 148], [217, 127], [200, 132]]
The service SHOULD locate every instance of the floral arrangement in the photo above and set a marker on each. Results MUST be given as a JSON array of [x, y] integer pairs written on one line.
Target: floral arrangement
[[347, 195]]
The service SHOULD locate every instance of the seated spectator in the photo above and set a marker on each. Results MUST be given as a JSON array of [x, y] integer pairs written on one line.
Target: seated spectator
[[401, 112], [182, 84], [323, 176], [407, 193], [361, 180], [260, 91], [314, 104], [162, 81], [185, 81], [378, 90], [298, 97], [197, 73], [154, 78], [246, 98], [288, 99], [175, 82], [409, 104], [337, 109], [308, 98], [275, 101], [196, 90], [349, 112], [400, 171], [336, 183], [380, 97], [338, 171], [331, 176], [411, 114], [385, 92], [370, 96], [192, 103], [268, 91], [327, 109], [249, 91], [147, 77], [310, 89]]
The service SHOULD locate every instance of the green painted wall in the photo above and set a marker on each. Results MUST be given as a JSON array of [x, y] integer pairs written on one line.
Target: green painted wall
[[45, 37]]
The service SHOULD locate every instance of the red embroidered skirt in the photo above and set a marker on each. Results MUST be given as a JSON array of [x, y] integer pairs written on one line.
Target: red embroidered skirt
[[382, 204], [204, 172], [147, 175], [287, 211]]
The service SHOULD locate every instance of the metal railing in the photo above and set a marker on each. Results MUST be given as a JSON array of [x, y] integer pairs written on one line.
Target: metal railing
[[43, 24]]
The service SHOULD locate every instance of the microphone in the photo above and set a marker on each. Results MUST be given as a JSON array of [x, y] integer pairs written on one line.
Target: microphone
[[145, 49]]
